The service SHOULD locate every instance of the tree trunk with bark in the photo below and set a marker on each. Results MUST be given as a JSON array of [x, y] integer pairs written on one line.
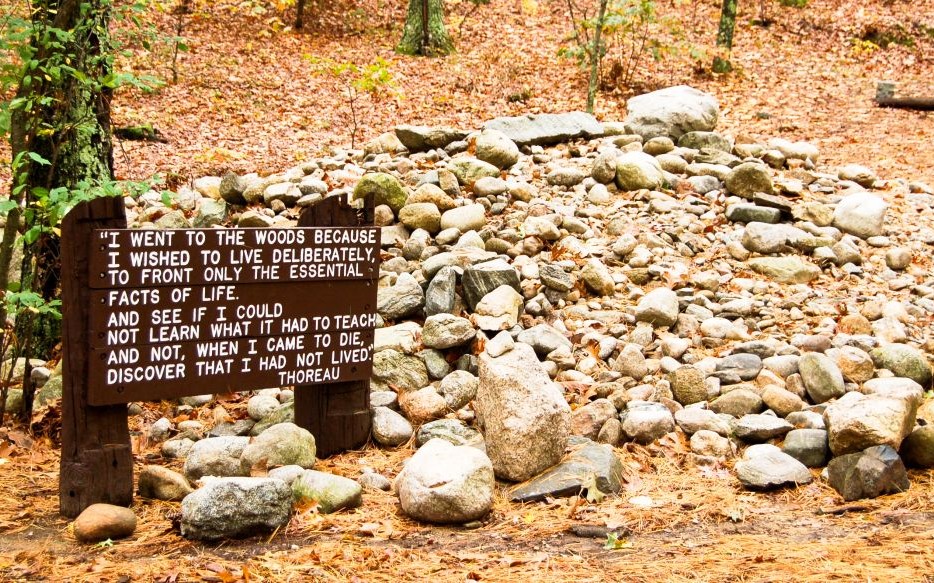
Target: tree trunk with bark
[[424, 33], [725, 36], [68, 126]]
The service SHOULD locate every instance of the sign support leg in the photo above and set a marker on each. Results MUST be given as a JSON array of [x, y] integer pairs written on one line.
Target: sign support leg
[[337, 414], [97, 462]]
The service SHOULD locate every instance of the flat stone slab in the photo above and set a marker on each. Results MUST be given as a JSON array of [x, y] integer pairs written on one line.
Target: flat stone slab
[[589, 465], [547, 128]]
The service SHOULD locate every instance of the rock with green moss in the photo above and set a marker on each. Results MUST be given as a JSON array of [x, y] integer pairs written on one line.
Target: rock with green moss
[[386, 189], [470, 170], [332, 493], [284, 444], [904, 361], [284, 414]]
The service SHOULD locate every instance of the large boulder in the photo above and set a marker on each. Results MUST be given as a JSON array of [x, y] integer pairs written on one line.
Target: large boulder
[[904, 361], [446, 484], [216, 456], [765, 467], [589, 467], [236, 507], [672, 112], [857, 422], [861, 214], [526, 421]]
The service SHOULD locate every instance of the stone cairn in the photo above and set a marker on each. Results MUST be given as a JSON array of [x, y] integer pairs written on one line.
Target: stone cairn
[[770, 309]]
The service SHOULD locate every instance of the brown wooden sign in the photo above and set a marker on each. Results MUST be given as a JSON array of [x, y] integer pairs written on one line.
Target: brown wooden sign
[[154, 314], [236, 309]]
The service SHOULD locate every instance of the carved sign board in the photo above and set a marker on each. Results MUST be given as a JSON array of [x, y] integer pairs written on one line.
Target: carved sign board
[[193, 311]]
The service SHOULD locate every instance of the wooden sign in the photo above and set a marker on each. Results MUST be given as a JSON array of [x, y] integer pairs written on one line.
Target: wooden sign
[[236, 309], [156, 314]]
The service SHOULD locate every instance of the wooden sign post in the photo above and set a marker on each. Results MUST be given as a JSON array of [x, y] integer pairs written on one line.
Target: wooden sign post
[[162, 314]]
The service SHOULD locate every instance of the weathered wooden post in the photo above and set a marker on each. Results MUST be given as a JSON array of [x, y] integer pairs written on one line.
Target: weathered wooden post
[[97, 463], [337, 414]]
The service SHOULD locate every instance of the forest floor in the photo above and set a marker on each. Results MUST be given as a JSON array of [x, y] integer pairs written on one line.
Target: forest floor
[[254, 96]]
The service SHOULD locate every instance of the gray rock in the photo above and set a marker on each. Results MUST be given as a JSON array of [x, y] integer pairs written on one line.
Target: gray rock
[[596, 275], [544, 339], [453, 431], [287, 474], [421, 138], [480, 279], [588, 466], [700, 140], [744, 366], [694, 419], [423, 405], [781, 401], [761, 237], [785, 269], [659, 307], [216, 456], [440, 296], [400, 300], [554, 277], [284, 414], [896, 387], [631, 362], [861, 214], [737, 403], [445, 484], [390, 428], [904, 361], [235, 507], [566, 176], [421, 215], [588, 420], [332, 493], [645, 422], [399, 371], [210, 212], [750, 213], [755, 428], [546, 128], [748, 179], [161, 483], [284, 444], [868, 474], [858, 174], [526, 421], [808, 446], [821, 376], [765, 467], [469, 170], [495, 148], [637, 170], [708, 443], [498, 310], [446, 331], [458, 389], [671, 112]]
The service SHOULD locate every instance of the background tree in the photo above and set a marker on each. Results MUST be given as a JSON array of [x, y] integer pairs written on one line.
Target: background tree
[[725, 36], [59, 128], [424, 32]]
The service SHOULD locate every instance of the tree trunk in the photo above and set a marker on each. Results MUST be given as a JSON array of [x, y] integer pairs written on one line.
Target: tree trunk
[[595, 58], [69, 127], [425, 36], [725, 36]]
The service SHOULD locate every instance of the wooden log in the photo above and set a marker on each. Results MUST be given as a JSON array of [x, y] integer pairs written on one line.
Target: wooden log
[[337, 414], [918, 103], [97, 462]]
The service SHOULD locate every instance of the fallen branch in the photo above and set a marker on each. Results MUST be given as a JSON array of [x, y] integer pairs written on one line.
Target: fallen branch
[[918, 103]]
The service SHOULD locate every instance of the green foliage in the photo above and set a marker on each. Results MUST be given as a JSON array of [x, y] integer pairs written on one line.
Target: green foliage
[[631, 32], [374, 80], [615, 543], [794, 3], [56, 77]]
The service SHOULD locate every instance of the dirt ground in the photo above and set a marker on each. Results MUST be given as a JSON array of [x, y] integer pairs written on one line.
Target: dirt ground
[[672, 522]]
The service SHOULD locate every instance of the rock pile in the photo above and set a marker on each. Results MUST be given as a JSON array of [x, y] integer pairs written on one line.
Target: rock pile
[[729, 289]]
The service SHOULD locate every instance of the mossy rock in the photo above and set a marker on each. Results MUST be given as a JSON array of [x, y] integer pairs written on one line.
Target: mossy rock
[[385, 188]]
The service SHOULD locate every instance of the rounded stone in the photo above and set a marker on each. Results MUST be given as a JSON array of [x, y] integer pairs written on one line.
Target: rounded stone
[[100, 522]]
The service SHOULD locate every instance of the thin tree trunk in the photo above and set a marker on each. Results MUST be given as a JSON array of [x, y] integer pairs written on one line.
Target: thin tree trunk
[[595, 57], [725, 36], [425, 36], [299, 14]]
